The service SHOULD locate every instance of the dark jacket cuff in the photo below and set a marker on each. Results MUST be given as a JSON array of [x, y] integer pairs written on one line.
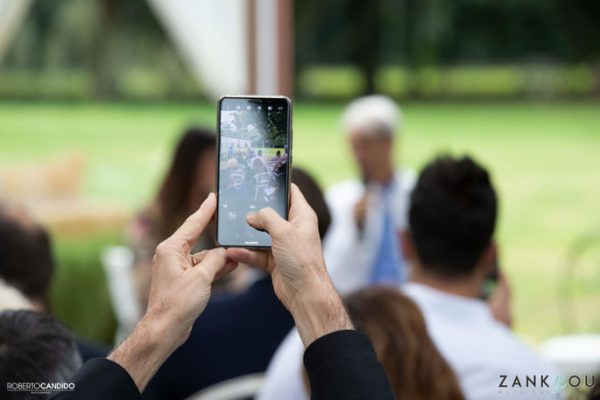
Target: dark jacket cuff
[[335, 347]]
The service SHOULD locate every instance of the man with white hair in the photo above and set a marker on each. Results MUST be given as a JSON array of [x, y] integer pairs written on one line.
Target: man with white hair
[[362, 247], [368, 214]]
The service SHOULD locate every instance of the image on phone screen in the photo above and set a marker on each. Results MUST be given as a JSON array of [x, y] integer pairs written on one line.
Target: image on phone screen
[[253, 166]]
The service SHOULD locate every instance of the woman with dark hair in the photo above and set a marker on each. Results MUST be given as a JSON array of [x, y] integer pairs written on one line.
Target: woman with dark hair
[[414, 366], [189, 179]]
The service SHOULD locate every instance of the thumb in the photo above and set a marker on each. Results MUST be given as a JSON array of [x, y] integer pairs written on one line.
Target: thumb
[[267, 220]]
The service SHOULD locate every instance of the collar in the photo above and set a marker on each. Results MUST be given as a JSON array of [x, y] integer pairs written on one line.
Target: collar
[[438, 302]]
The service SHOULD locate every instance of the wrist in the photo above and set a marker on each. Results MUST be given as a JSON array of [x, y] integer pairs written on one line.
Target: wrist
[[319, 311], [146, 348]]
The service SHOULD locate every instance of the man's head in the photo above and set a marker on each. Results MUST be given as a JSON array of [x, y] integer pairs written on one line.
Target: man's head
[[26, 261], [34, 347], [452, 219], [371, 123]]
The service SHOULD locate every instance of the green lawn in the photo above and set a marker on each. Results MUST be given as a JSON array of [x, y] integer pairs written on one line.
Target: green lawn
[[545, 159]]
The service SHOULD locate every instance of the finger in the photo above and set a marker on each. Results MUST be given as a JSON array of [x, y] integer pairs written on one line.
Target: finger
[[299, 207], [268, 220], [188, 233], [227, 268], [253, 258], [213, 262]]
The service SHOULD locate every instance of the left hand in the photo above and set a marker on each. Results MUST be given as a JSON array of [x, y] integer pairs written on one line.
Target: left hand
[[181, 283]]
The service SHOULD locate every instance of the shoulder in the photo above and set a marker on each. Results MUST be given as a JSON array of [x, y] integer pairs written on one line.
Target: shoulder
[[344, 191], [405, 179]]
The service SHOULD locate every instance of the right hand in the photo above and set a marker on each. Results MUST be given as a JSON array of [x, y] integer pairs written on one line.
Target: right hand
[[360, 210], [295, 260]]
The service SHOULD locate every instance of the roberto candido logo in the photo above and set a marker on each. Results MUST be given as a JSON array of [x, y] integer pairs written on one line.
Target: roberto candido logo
[[40, 387]]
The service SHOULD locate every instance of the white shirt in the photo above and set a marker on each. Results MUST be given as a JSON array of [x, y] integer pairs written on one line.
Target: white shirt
[[349, 254], [478, 348]]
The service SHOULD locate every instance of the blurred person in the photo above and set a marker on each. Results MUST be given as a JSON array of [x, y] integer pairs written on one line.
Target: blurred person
[[456, 206], [363, 246], [258, 161], [236, 334], [27, 265], [34, 348], [393, 322], [26, 261], [398, 331], [189, 179], [451, 249], [340, 362]]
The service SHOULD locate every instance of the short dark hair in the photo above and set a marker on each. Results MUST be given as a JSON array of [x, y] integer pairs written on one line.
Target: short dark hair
[[452, 215], [26, 261], [34, 347]]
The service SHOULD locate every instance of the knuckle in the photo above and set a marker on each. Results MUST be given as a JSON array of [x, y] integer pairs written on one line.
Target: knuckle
[[162, 249]]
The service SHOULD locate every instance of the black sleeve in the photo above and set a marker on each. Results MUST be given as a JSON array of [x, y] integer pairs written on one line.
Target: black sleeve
[[100, 378], [343, 365]]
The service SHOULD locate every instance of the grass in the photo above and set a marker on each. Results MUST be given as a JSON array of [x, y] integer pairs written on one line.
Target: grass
[[545, 160]]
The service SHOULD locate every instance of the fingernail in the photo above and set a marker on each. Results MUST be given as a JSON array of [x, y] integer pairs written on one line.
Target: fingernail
[[250, 215]]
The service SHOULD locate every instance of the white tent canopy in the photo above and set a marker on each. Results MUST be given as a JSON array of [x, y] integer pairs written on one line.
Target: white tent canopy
[[231, 46], [12, 14]]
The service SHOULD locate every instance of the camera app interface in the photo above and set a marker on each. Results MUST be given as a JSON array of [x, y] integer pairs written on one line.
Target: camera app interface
[[253, 166]]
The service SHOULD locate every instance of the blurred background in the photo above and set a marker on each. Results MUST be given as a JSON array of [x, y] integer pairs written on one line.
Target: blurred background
[[94, 95]]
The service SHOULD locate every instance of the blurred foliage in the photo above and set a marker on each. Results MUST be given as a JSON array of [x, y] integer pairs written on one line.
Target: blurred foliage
[[118, 49], [79, 294]]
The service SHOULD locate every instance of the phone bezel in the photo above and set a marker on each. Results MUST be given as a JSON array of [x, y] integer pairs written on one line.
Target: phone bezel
[[218, 161]]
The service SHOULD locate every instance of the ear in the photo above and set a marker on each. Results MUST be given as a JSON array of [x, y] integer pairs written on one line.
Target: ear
[[407, 245]]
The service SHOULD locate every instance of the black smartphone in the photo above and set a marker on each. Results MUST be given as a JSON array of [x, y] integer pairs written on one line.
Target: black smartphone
[[253, 165]]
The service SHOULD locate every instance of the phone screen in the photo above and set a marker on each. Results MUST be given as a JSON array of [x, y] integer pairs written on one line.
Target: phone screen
[[253, 165]]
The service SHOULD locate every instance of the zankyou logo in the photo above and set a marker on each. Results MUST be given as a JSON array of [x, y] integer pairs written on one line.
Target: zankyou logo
[[510, 384], [40, 387]]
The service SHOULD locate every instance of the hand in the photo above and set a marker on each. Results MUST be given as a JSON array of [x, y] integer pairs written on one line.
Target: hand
[[297, 268], [499, 302], [181, 283], [360, 210], [179, 291]]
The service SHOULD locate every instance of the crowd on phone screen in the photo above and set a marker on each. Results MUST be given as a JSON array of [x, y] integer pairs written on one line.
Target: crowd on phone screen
[[410, 255], [250, 175]]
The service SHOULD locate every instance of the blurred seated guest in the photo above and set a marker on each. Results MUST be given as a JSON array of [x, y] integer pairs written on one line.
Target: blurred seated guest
[[27, 265], [236, 334], [34, 348], [368, 213], [258, 161], [257, 166], [26, 261], [451, 249], [415, 368], [189, 179]]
